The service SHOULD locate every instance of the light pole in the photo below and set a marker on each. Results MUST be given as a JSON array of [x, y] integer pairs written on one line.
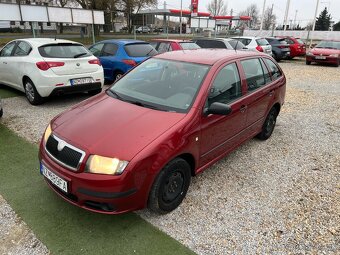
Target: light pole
[[180, 19], [314, 21], [286, 16], [262, 18]]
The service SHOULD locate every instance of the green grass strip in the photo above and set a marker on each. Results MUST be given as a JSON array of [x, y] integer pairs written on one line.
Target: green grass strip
[[64, 228], [6, 92]]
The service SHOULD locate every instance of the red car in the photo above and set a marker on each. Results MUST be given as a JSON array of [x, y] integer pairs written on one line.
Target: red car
[[165, 45], [325, 52], [296, 45], [170, 118]]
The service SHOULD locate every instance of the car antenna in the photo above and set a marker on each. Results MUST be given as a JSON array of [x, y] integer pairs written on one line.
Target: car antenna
[[237, 40]]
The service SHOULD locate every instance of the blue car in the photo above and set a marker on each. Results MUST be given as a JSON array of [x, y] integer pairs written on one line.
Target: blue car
[[119, 56]]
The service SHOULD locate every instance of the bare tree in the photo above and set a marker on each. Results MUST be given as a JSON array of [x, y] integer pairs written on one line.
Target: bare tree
[[253, 12], [217, 7], [269, 18]]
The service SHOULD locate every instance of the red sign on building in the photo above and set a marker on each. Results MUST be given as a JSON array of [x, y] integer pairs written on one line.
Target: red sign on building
[[194, 6]]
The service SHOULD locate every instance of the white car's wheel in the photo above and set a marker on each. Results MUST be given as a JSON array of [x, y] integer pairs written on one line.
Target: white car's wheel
[[32, 94]]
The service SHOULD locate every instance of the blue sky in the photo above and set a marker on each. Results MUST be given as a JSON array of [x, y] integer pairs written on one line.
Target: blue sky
[[306, 8]]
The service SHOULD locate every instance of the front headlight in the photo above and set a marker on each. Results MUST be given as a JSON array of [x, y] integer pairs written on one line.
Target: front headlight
[[334, 55], [48, 132], [103, 165], [310, 53]]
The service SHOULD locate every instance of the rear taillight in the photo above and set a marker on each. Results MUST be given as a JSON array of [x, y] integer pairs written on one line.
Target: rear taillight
[[129, 62], [259, 48], [95, 62], [45, 65]]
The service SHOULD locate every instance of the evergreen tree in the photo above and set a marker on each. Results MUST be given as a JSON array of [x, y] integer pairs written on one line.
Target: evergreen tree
[[336, 26], [323, 22]]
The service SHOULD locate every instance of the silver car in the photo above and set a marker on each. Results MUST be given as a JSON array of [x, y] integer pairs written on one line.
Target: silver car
[[1, 111], [256, 44]]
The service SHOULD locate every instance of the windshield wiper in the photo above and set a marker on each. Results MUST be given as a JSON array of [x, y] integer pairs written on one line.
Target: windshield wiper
[[80, 54], [115, 94]]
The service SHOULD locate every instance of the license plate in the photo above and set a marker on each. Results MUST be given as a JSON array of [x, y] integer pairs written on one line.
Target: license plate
[[320, 57], [81, 81], [55, 179]]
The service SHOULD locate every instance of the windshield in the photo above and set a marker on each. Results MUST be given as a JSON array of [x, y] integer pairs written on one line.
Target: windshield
[[161, 84], [189, 45], [328, 45], [63, 50]]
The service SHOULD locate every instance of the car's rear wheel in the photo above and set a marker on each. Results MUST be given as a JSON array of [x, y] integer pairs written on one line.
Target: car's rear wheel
[[268, 125], [118, 75], [170, 186], [1, 112], [31, 93], [308, 62], [94, 92]]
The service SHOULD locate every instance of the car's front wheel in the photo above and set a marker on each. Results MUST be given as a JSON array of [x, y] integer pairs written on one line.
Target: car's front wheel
[[1, 112], [32, 94], [170, 186], [268, 125]]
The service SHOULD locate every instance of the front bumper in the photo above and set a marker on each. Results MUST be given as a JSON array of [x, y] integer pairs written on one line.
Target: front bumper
[[95, 192]]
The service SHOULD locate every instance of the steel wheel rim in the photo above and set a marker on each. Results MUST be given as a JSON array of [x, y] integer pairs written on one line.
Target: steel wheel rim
[[29, 91], [118, 76], [173, 187]]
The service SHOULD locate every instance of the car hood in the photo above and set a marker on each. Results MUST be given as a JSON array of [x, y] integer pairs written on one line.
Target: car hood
[[323, 51], [109, 127]]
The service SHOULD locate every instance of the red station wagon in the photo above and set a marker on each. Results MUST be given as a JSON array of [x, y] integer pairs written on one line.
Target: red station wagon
[[165, 45], [139, 143]]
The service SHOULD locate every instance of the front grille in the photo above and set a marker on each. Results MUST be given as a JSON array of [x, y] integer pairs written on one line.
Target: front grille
[[68, 156]]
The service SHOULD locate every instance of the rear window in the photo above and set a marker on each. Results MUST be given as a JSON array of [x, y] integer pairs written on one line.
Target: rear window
[[211, 44], [300, 41], [140, 50], [262, 42], [63, 50], [189, 45]]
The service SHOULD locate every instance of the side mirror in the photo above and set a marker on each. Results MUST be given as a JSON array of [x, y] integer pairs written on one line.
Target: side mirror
[[218, 109]]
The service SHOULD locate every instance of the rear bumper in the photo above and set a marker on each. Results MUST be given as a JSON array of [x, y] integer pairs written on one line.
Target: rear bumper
[[76, 88]]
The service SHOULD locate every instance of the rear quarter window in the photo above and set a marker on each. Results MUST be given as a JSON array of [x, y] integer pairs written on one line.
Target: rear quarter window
[[189, 46], [140, 50], [273, 69], [261, 42], [62, 50]]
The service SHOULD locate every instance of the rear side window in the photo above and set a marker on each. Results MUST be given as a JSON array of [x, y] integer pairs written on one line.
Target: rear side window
[[97, 49], [110, 49], [245, 41], [22, 49], [7, 50], [253, 70], [189, 45], [273, 69], [63, 50], [163, 47], [300, 41], [236, 43], [289, 41], [261, 42], [140, 50]]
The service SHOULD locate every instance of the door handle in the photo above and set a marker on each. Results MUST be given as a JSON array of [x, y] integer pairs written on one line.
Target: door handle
[[243, 108], [271, 93]]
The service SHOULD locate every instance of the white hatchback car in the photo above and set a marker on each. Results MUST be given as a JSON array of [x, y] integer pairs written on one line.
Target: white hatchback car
[[255, 44], [42, 67]]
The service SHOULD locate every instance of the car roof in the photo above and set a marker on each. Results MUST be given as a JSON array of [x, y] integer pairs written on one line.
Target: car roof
[[205, 56], [247, 37], [122, 41], [42, 41], [169, 40]]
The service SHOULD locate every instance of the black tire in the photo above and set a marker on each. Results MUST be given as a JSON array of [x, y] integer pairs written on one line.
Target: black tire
[[94, 92], [308, 62], [170, 186], [1, 112], [276, 57], [31, 93], [117, 76], [337, 64], [268, 125]]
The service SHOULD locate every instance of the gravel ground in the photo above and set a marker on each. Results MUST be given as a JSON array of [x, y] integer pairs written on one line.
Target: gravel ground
[[281, 196]]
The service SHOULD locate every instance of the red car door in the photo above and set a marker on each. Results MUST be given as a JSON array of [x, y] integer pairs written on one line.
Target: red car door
[[221, 133], [260, 93]]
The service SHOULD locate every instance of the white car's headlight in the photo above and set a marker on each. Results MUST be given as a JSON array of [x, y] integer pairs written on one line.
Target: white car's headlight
[[48, 132], [103, 165], [334, 55]]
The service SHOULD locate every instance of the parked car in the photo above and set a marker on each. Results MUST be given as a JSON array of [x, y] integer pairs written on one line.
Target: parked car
[[255, 44], [297, 46], [42, 67], [219, 43], [158, 30], [119, 56], [143, 29], [325, 52], [170, 118], [280, 48], [164, 45], [1, 109]]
